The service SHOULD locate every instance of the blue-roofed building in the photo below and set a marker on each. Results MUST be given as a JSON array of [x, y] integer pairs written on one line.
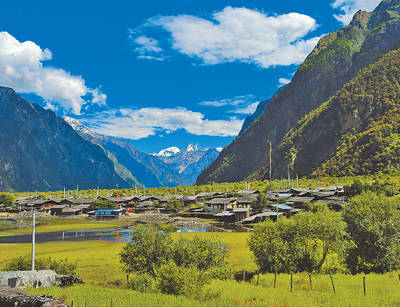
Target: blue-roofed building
[[101, 214], [281, 207]]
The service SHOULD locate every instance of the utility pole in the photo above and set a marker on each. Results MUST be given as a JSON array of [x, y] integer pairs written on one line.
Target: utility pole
[[33, 238], [270, 164], [97, 194], [288, 173], [64, 192]]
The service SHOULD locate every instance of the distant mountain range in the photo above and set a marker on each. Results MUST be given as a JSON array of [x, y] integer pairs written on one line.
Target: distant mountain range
[[170, 167], [190, 162], [40, 151], [334, 112], [43, 152]]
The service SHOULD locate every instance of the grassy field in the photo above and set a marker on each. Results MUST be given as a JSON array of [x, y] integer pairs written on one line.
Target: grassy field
[[382, 290], [96, 257], [98, 265]]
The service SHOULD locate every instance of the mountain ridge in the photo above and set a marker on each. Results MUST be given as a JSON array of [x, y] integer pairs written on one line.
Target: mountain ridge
[[336, 59]]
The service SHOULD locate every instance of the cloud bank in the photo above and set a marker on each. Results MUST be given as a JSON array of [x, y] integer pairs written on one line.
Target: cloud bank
[[141, 123], [21, 67], [240, 34]]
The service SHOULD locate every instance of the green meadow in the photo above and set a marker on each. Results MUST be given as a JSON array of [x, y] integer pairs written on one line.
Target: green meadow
[[98, 265]]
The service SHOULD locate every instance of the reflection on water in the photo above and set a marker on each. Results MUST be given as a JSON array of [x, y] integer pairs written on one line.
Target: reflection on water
[[111, 235]]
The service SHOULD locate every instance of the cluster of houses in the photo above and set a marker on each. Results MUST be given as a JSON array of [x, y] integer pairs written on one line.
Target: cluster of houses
[[242, 206]]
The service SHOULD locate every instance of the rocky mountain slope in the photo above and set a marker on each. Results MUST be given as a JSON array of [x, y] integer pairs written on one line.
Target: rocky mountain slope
[[335, 61], [40, 151], [356, 132], [130, 163], [190, 162]]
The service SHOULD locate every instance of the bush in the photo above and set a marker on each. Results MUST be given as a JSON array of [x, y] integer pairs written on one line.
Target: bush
[[175, 280], [148, 250], [62, 267], [6, 199], [374, 225], [143, 282], [221, 273]]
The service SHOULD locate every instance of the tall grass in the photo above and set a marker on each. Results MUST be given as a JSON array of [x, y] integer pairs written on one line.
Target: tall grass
[[382, 290]]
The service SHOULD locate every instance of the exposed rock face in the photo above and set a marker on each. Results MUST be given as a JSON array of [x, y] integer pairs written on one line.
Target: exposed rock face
[[336, 60], [40, 151]]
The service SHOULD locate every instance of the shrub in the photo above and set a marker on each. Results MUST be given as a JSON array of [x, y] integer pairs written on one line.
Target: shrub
[[175, 280], [148, 250], [6, 199], [62, 267], [143, 282]]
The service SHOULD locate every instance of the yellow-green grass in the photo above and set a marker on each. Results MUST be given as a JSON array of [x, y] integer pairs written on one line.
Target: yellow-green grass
[[98, 263], [98, 260], [49, 225], [382, 290]]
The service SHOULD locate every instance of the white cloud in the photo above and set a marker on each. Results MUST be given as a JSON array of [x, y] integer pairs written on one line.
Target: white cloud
[[350, 7], [235, 101], [284, 81], [138, 124], [147, 48], [250, 109], [245, 104], [21, 67], [241, 34]]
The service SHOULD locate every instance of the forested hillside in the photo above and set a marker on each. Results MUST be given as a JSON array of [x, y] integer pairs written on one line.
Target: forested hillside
[[336, 60]]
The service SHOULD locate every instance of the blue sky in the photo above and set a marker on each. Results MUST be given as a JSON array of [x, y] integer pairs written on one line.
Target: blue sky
[[161, 73]]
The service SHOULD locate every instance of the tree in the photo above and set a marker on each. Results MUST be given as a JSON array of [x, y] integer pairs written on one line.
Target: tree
[[318, 234], [175, 204], [261, 201], [6, 199], [147, 251], [200, 253], [301, 243], [373, 222], [271, 245], [102, 204]]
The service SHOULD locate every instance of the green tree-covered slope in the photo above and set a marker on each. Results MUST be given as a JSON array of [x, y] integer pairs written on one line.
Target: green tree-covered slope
[[336, 60], [356, 132]]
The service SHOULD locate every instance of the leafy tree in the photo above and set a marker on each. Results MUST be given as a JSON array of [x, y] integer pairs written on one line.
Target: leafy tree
[[272, 246], [147, 251], [301, 243], [175, 204], [261, 201], [102, 204], [318, 234], [374, 225], [200, 253], [6, 199]]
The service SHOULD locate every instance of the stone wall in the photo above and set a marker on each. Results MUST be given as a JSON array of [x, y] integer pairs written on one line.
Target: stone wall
[[22, 279]]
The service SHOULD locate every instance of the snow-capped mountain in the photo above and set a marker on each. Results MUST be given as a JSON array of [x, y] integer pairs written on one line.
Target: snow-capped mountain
[[168, 152], [189, 162], [130, 163]]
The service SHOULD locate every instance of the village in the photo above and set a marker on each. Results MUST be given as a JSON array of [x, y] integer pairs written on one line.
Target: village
[[241, 207]]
